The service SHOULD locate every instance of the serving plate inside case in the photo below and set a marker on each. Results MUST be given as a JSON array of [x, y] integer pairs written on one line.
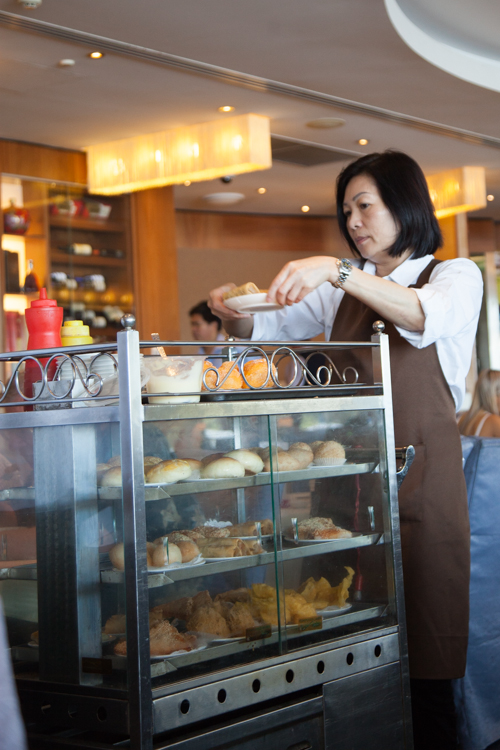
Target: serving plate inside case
[[320, 541]]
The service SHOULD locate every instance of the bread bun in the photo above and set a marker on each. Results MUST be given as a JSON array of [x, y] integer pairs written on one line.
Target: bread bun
[[189, 549], [223, 468], [234, 380], [101, 469], [238, 291], [257, 373], [316, 445], [330, 453], [302, 453], [251, 461], [115, 461], [283, 461], [211, 457], [151, 460], [160, 557], [117, 556], [195, 466], [168, 472], [112, 478]]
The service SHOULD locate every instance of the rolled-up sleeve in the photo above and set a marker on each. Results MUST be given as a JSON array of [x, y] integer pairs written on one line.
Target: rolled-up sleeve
[[451, 302], [304, 320]]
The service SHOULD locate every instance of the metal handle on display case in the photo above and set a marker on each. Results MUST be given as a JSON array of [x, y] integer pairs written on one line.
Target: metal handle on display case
[[406, 455]]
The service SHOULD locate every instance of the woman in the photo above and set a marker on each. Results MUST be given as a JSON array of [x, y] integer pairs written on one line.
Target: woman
[[430, 310], [483, 417]]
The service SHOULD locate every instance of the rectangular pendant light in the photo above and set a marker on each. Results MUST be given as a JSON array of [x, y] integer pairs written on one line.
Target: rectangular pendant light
[[230, 146], [458, 190]]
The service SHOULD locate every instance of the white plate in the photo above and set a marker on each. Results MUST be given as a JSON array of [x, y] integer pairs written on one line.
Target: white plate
[[320, 541], [239, 557], [178, 653], [330, 462], [243, 538], [220, 641], [199, 560], [252, 303], [333, 609]]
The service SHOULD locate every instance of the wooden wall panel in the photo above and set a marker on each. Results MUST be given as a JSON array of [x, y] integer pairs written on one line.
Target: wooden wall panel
[[449, 249], [204, 230], [482, 236], [155, 263], [30, 160]]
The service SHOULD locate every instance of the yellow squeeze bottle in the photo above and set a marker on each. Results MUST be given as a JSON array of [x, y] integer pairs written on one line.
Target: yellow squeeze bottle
[[74, 333]]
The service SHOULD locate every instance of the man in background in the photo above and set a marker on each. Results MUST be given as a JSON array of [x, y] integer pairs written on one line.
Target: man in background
[[205, 326]]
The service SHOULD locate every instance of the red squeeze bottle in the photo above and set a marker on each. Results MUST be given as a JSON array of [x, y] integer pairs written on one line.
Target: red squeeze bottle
[[44, 321]]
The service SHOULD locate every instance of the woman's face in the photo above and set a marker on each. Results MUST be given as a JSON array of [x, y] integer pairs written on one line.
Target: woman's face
[[369, 221]]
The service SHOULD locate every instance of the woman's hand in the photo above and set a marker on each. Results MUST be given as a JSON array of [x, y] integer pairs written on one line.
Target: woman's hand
[[300, 277], [236, 324]]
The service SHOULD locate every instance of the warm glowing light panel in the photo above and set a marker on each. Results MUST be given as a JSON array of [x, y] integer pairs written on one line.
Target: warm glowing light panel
[[458, 190]]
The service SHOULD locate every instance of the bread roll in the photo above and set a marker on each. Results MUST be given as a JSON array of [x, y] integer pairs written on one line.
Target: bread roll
[[117, 556], [248, 528], [283, 461], [115, 461], [211, 457], [115, 624], [189, 549], [151, 460], [238, 291], [251, 461], [223, 468], [161, 558], [266, 526], [213, 532], [329, 454], [112, 478], [101, 469], [211, 548], [316, 445], [195, 466], [302, 453], [257, 373], [168, 472]]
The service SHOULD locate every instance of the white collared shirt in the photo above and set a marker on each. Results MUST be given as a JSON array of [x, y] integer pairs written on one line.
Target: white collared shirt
[[451, 302]]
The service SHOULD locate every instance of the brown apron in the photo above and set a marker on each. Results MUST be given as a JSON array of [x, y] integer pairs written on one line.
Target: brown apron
[[433, 511]]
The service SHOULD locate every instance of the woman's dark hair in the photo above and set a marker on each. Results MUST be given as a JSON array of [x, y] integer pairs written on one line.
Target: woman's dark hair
[[403, 189], [203, 309]]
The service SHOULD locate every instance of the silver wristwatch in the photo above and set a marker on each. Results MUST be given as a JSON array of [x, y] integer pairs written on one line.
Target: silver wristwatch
[[344, 267]]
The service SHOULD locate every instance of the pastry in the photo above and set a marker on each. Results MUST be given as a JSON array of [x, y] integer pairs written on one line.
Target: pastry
[[234, 381], [238, 291], [258, 373], [223, 468], [168, 472], [253, 546], [175, 537], [213, 548], [266, 526], [251, 461], [208, 620], [310, 525], [210, 458], [239, 618], [115, 461], [282, 461], [177, 609], [209, 381], [189, 549], [151, 460], [161, 556], [117, 556], [115, 624], [164, 639], [234, 595], [195, 466], [213, 532], [335, 533], [101, 469], [302, 453], [112, 478], [329, 454]]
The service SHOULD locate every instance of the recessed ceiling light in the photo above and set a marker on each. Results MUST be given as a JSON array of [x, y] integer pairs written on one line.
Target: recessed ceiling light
[[226, 108], [66, 63], [262, 190], [305, 209], [187, 183], [326, 122], [490, 197], [223, 199], [96, 55], [363, 142]]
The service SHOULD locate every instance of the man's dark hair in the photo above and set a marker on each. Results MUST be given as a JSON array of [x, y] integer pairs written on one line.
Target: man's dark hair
[[403, 189], [203, 309]]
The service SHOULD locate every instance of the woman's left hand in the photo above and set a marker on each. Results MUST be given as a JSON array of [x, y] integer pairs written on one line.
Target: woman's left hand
[[300, 277]]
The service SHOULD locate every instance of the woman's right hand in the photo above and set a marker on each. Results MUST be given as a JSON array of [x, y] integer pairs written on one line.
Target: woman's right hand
[[217, 306]]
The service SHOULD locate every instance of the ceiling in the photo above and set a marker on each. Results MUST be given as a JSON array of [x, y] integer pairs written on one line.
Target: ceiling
[[289, 60]]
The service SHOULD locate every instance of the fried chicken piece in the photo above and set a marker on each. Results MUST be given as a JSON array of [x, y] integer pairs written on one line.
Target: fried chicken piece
[[208, 620]]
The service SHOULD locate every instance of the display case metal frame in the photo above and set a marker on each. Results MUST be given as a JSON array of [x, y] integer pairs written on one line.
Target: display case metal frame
[[142, 712]]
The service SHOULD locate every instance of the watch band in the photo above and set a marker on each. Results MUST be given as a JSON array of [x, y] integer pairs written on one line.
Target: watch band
[[344, 267]]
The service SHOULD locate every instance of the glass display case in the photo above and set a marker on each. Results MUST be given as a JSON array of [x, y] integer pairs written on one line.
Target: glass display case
[[217, 565]]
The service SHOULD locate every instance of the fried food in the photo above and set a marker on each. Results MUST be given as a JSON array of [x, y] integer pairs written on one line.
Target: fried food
[[234, 380], [238, 291], [320, 594], [258, 374], [239, 618], [208, 620], [298, 607], [234, 595], [164, 639]]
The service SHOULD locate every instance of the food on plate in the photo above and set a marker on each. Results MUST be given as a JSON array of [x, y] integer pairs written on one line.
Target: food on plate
[[321, 594], [115, 461], [211, 458], [168, 472], [336, 533], [213, 532], [212, 548], [151, 460], [238, 291], [112, 477], [266, 526], [189, 550], [164, 639], [302, 453], [195, 466], [253, 546], [300, 609], [315, 445], [250, 460], [239, 618], [249, 528], [282, 461], [175, 537], [233, 596], [166, 555], [223, 468], [329, 454], [208, 620], [115, 624], [293, 606], [258, 373]]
